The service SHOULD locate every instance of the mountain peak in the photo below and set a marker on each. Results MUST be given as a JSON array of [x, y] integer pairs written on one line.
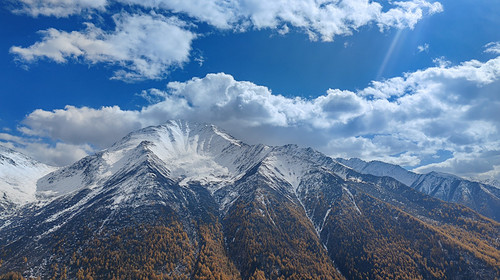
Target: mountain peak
[[187, 151], [177, 135]]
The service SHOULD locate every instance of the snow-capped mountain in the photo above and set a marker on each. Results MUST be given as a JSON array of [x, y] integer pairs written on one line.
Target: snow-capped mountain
[[183, 152], [186, 200], [490, 182], [379, 168], [18, 177], [481, 197]]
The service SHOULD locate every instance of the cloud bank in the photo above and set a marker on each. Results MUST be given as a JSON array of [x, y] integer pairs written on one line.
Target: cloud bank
[[146, 44], [410, 120]]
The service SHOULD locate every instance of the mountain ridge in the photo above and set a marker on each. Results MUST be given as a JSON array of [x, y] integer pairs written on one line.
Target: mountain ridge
[[230, 210], [478, 196]]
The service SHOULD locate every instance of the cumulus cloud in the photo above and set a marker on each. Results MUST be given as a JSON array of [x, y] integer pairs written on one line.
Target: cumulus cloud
[[60, 154], [320, 19], [146, 45], [143, 46], [223, 14], [482, 165], [84, 125], [327, 19], [57, 154], [402, 120]]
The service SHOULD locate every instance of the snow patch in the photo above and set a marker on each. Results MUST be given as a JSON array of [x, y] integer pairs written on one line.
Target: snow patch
[[351, 198], [18, 176]]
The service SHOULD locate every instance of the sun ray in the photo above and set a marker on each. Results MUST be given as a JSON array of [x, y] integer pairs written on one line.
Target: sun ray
[[389, 53]]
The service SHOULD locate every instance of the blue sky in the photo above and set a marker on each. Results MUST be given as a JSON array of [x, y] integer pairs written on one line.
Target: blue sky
[[414, 82]]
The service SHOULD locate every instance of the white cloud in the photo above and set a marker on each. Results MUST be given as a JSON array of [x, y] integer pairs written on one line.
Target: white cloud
[[153, 95], [493, 47], [144, 46], [9, 137], [319, 19], [57, 8], [485, 164], [84, 125], [222, 14], [407, 13], [423, 48], [58, 154], [402, 120]]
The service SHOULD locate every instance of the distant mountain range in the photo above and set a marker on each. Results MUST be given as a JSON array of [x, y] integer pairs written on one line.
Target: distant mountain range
[[186, 200], [484, 197]]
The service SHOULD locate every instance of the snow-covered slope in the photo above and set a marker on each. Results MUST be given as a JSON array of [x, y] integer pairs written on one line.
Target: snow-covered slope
[[188, 152], [169, 165], [379, 168], [443, 186], [184, 152], [197, 181], [481, 197], [18, 177], [490, 182], [191, 153], [137, 170]]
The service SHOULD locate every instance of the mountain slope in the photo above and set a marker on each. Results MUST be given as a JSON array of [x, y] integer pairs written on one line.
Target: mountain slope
[[483, 198], [187, 201], [379, 168], [18, 177]]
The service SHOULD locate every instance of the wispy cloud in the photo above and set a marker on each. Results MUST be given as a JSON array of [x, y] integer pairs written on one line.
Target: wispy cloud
[[400, 120], [423, 48], [493, 47], [58, 8]]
